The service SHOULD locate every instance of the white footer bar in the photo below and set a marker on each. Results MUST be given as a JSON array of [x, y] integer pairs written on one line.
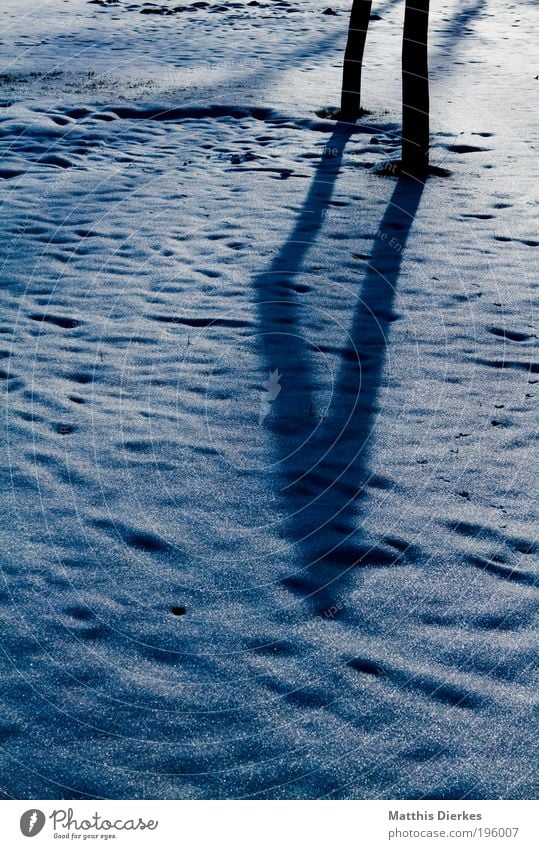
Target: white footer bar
[[267, 825]]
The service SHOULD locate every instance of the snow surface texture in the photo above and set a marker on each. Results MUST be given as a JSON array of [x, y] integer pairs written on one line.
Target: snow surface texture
[[268, 496]]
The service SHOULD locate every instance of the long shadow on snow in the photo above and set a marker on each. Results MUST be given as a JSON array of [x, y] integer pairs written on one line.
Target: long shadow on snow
[[453, 33], [324, 466]]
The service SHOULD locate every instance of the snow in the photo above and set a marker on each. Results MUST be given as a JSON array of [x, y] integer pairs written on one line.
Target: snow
[[249, 380]]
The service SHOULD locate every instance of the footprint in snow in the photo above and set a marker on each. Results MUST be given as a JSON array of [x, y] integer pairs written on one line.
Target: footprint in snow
[[511, 335]]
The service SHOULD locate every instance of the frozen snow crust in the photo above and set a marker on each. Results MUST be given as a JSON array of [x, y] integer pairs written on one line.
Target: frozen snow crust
[[268, 490]]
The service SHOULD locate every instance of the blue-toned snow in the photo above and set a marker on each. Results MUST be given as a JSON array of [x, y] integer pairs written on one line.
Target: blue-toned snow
[[268, 493]]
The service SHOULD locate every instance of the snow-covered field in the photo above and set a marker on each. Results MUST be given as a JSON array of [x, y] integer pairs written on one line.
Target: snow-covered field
[[268, 490]]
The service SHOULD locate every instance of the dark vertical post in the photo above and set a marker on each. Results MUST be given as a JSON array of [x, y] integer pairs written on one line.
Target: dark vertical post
[[353, 59], [415, 89]]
